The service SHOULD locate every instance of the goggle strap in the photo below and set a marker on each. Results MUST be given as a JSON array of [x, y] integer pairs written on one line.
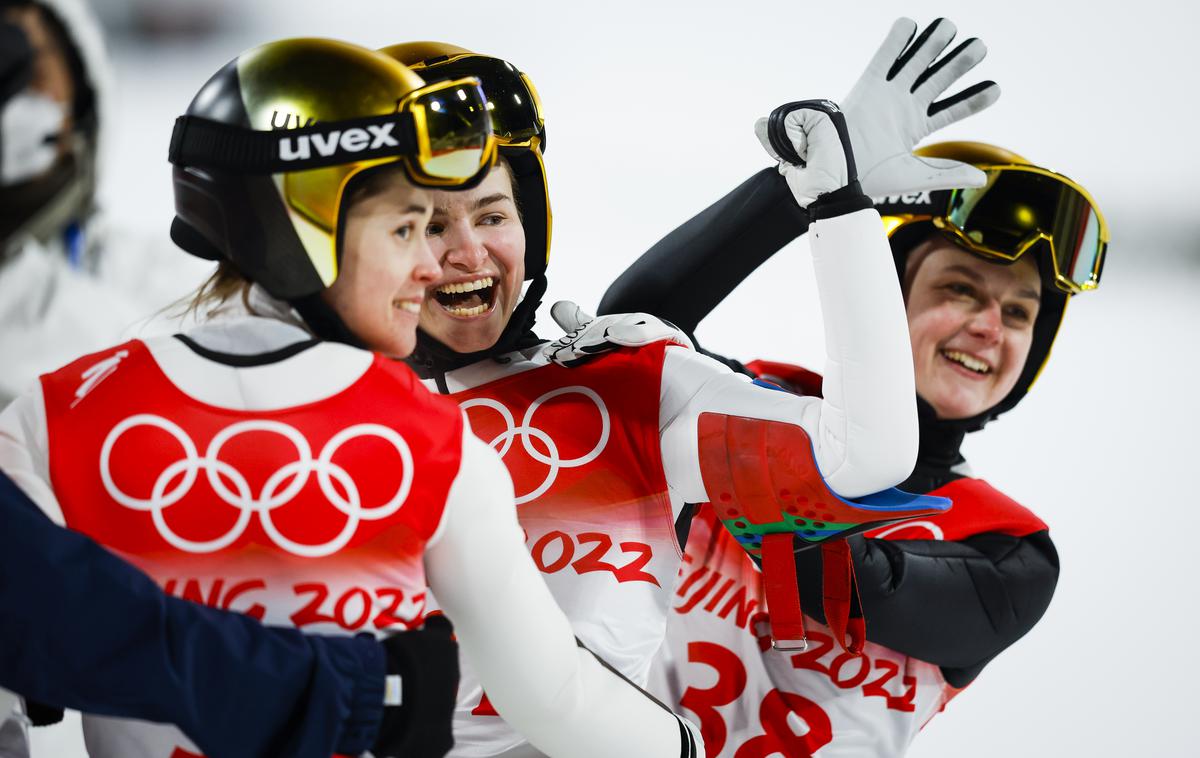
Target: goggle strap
[[204, 143]]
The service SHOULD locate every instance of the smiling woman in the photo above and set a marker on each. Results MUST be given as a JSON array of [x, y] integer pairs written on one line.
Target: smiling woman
[[386, 263], [479, 240], [971, 324], [986, 273], [384, 266], [987, 276]]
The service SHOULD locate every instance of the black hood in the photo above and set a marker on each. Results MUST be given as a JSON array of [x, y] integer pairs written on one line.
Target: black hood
[[939, 450]]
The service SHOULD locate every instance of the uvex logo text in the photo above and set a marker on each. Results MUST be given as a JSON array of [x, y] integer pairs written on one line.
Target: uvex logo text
[[353, 140], [911, 198]]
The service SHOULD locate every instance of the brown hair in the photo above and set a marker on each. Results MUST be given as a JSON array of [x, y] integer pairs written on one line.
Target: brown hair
[[502, 162], [914, 260], [368, 183], [223, 285]]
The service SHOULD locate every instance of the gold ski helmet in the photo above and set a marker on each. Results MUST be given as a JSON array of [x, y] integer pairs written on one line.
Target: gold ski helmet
[[518, 124], [269, 145], [1022, 209]]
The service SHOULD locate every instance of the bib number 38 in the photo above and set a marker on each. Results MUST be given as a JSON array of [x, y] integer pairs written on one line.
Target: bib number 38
[[777, 713]]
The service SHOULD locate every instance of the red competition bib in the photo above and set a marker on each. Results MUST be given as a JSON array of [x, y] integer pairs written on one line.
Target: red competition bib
[[583, 450], [718, 666], [315, 516]]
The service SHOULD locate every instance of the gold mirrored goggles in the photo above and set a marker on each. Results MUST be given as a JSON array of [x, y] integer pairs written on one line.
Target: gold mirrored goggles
[[453, 130], [442, 132], [513, 101], [1021, 206]]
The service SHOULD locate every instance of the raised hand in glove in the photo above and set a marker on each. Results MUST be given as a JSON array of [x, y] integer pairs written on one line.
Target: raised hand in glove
[[422, 667], [587, 336], [811, 141], [894, 106]]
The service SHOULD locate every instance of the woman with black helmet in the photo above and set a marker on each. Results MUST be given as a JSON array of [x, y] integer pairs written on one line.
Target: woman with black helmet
[[986, 273], [265, 462]]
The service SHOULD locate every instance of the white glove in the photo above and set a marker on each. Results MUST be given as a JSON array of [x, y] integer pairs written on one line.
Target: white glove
[[816, 140], [891, 109], [587, 336]]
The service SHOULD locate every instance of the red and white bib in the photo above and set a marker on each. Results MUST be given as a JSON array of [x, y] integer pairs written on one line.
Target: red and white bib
[[315, 516], [752, 701], [583, 450]]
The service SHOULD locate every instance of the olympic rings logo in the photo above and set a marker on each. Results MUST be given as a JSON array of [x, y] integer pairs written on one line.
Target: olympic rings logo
[[528, 432], [280, 488]]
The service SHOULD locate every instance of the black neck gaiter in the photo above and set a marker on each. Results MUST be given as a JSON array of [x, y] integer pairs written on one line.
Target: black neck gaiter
[[939, 450]]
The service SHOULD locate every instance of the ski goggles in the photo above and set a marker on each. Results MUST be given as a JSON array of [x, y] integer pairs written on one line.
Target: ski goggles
[[1021, 206], [441, 132], [512, 100]]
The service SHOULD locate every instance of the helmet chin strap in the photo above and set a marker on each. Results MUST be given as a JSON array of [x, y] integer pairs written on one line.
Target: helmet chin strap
[[432, 356], [324, 321]]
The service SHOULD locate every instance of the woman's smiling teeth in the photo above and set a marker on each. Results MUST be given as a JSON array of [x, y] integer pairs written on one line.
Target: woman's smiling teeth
[[967, 361], [465, 299], [409, 306], [464, 287]]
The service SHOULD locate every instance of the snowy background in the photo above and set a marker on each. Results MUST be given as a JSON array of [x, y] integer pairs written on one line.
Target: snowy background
[[650, 107]]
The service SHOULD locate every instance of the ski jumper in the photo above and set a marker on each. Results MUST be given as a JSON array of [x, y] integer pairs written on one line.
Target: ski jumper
[[992, 587], [941, 603], [317, 485], [605, 456]]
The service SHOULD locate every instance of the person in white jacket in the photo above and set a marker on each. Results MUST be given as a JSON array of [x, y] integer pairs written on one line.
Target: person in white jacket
[[69, 282], [256, 464]]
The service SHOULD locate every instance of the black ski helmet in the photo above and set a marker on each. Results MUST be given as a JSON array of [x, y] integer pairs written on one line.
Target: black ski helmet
[[270, 144]]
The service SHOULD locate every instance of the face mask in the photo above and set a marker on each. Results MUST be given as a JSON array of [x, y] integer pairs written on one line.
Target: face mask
[[31, 125]]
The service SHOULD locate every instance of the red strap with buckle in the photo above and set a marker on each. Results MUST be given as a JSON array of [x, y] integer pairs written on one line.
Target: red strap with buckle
[[843, 607], [783, 593]]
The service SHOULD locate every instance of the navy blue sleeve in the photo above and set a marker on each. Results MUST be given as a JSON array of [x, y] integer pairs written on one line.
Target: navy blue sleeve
[[81, 628]]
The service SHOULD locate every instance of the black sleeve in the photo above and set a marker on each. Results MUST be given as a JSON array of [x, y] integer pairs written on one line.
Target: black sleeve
[[81, 628], [956, 604], [686, 274]]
